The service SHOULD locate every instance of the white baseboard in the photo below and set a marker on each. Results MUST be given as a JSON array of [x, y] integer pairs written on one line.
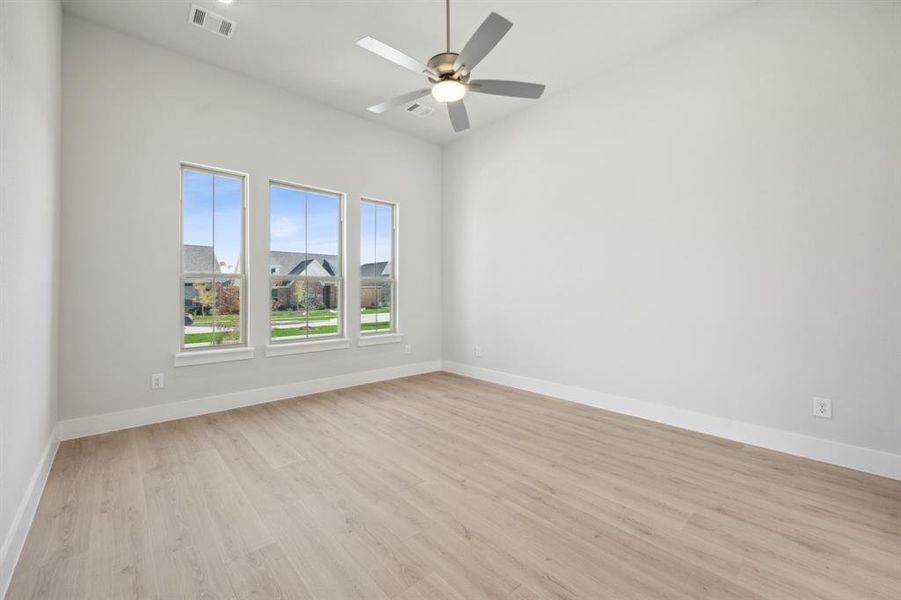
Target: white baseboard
[[863, 459], [81, 427], [21, 523]]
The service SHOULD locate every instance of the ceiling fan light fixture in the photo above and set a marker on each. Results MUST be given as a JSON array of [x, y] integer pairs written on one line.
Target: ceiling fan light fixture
[[448, 90]]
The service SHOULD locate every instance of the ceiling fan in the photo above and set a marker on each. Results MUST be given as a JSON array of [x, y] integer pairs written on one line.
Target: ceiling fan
[[449, 72]]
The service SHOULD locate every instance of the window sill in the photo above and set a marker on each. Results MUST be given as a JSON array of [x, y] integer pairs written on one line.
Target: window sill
[[204, 357], [379, 339], [305, 347]]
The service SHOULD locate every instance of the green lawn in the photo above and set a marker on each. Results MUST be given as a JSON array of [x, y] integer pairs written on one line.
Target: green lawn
[[373, 311], [217, 337], [206, 338], [322, 329]]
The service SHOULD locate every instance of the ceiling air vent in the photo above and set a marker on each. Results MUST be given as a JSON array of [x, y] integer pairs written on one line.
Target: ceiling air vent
[[210, 21], [420, 110]]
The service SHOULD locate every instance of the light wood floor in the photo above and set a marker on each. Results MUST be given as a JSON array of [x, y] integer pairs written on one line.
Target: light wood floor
[[439, 487]]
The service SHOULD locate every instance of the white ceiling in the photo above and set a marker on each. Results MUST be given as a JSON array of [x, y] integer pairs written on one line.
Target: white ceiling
[[309, 46]]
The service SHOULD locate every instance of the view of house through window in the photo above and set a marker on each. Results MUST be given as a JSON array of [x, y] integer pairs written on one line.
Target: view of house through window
[[377, 281], [304, 263], [212, 258]]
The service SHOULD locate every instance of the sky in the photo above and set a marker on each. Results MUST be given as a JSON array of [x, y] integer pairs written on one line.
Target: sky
[[375, 233], [212, 215], [300, 220]]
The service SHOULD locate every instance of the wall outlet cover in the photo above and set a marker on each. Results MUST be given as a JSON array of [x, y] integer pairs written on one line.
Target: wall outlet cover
[[822, 407], [157, 382]]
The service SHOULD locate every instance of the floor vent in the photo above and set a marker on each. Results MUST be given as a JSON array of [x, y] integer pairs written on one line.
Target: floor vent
[[210, 21]]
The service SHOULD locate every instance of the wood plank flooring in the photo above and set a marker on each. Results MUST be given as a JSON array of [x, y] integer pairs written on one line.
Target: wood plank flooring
[[439, 487]]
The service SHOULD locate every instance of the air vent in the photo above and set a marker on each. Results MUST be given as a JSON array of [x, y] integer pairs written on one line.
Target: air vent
[[210, 21], [420, 110]]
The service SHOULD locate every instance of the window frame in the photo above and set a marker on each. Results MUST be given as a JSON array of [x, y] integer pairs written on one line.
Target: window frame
[[393, 314], [241, 272], [340, 280]]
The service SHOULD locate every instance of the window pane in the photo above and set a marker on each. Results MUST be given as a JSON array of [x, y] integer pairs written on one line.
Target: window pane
[[198, 317], [367, 240], [305, 243], [287, 229], [323, 222], [304, 308], [227, 312], [384, 242], [197, 222], [227, 200], [375, 305], [212, 244]]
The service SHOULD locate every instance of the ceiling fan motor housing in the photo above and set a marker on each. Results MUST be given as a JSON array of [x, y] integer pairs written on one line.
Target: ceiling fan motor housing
[[443, 64]]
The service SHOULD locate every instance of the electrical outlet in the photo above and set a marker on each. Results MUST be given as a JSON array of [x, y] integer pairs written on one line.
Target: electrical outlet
[[822, 407], [156, 381], [408, 349], [478, 351]]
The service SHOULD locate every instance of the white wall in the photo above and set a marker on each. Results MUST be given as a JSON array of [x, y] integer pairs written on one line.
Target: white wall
[[715, 228], [131, 112], [29, 251]]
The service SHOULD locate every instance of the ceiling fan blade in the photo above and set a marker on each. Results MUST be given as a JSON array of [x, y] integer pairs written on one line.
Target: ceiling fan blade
[[482, 41], [395, 56], [499, 87], [458, 115], [399, 101]]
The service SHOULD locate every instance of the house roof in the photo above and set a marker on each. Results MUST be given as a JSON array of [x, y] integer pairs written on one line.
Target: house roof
[[199, 259], [299, 263], [376, 269]]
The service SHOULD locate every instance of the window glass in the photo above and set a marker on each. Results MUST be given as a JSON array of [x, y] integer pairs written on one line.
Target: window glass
[[212, 246], [377, 273], [305, 260]]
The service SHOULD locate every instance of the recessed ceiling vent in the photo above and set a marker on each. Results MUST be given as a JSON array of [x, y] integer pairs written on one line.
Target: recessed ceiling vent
[[210, 21], [420, 110]]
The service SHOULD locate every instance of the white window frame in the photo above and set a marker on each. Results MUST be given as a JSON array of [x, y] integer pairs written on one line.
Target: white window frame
[[393, 314], [323, 342], [212, 353]]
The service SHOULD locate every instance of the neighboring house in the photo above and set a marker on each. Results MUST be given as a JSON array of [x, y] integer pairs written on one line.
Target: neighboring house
[[197, 259], [374, 296], [286, 294]]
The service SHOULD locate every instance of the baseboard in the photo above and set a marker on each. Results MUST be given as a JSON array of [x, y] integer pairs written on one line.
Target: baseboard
[[21, 523], [84, 426], [859, 458]]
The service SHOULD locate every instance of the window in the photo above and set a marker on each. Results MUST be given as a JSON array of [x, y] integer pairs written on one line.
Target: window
[[213, 276], [305, 263], [378, 284]]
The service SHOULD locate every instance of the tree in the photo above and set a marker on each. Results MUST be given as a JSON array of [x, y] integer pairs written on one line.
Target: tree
[[204, 295], [228, 298], [307, 295]]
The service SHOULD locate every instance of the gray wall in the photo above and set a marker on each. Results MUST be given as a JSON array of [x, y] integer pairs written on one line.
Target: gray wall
[[716, 227], [131, 112], [29, 251]]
